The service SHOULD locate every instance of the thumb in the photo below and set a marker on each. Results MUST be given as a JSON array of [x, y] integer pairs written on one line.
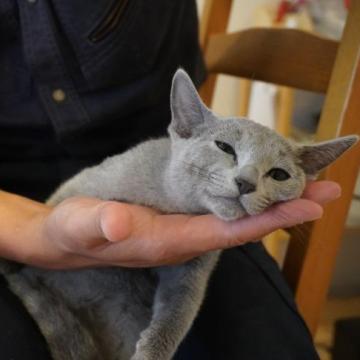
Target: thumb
[[82, 224]]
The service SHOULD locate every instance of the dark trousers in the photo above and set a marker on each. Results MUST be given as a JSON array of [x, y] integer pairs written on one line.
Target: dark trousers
[[249, 313]]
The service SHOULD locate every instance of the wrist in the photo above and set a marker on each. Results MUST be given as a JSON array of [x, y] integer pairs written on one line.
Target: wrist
[[21, 231]]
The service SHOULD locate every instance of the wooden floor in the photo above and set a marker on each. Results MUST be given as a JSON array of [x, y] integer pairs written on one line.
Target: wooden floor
[[335, 309]]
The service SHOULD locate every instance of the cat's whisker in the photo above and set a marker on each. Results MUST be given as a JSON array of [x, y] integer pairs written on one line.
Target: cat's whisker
[[211, 173], [205, 176], [211, 181], [202, 173], [206, 173]]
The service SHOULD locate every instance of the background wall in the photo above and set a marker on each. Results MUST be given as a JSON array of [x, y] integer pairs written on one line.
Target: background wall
[[227, 90]]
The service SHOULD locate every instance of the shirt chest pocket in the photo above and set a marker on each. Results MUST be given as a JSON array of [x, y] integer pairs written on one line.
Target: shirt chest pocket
[[122, 41]]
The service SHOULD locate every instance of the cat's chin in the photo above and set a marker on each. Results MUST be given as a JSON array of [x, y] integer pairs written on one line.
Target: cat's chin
[[231, 216], [226, 208], [253, 207]]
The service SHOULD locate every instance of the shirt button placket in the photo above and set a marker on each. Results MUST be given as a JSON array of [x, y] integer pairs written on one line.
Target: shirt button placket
[[58, 95], [56, 88]]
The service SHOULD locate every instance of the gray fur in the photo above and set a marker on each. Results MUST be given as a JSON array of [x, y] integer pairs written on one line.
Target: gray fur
[[143, 314]]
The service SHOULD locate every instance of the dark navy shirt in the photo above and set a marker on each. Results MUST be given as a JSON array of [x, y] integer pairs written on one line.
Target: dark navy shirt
[[81, 80]]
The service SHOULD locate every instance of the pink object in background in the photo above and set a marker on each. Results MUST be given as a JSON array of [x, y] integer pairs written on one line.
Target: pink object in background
[[288, 6]]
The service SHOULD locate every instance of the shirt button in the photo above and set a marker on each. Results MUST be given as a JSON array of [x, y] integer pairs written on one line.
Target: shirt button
[[58, 95]]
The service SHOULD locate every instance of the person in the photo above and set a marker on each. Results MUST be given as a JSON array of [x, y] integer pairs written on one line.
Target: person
[[82, 80]]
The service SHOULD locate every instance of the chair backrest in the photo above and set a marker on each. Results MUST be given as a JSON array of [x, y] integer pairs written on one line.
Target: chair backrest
[[281, 56], [305, 61]]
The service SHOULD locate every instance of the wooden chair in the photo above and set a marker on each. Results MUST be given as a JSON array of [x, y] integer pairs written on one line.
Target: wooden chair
[[305, 61]]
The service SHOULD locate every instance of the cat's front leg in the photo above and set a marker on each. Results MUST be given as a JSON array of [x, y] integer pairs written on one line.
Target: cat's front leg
[[177, 301]]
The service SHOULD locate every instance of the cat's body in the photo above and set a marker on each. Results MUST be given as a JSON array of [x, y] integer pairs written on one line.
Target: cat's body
[[227, 167], [116, 304], [100, 313]]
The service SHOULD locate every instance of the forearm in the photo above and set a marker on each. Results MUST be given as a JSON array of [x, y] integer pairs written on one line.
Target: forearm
[[21, 230], [50, 237]]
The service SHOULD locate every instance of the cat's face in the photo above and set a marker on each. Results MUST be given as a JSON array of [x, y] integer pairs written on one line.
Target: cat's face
[[241, 165], [233, 167]]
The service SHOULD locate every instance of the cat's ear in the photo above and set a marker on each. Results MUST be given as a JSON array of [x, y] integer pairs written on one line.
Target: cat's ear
[[187, 109], [316, 157]]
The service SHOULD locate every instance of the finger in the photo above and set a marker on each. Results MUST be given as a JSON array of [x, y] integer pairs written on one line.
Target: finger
[[322, 191], [282, 215], [204, 233], [115, 221], [87, 223]]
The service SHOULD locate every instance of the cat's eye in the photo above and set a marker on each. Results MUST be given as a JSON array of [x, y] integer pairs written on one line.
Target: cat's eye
[[226, 148], [278, 174]]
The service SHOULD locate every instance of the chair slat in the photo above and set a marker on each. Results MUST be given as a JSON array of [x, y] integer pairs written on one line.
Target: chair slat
[[309, 270], [281, 56], [298, 59], [214, 20]]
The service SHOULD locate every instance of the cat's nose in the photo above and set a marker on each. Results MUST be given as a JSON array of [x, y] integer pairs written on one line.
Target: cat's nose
[[244, 186]]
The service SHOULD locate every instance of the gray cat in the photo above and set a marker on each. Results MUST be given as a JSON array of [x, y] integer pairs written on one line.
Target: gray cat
[[228, 167]]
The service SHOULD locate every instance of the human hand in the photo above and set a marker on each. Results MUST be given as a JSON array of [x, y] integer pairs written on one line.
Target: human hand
[[89, 232]]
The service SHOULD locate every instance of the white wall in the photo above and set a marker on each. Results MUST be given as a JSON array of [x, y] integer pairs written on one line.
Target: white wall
[[226, 98]]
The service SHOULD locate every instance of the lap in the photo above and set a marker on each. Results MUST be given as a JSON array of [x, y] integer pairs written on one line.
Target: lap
[[248, 313]]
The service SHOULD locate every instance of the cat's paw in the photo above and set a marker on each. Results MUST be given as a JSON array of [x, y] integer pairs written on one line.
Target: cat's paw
[[143, 354], [139, 357], [144, 350]]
